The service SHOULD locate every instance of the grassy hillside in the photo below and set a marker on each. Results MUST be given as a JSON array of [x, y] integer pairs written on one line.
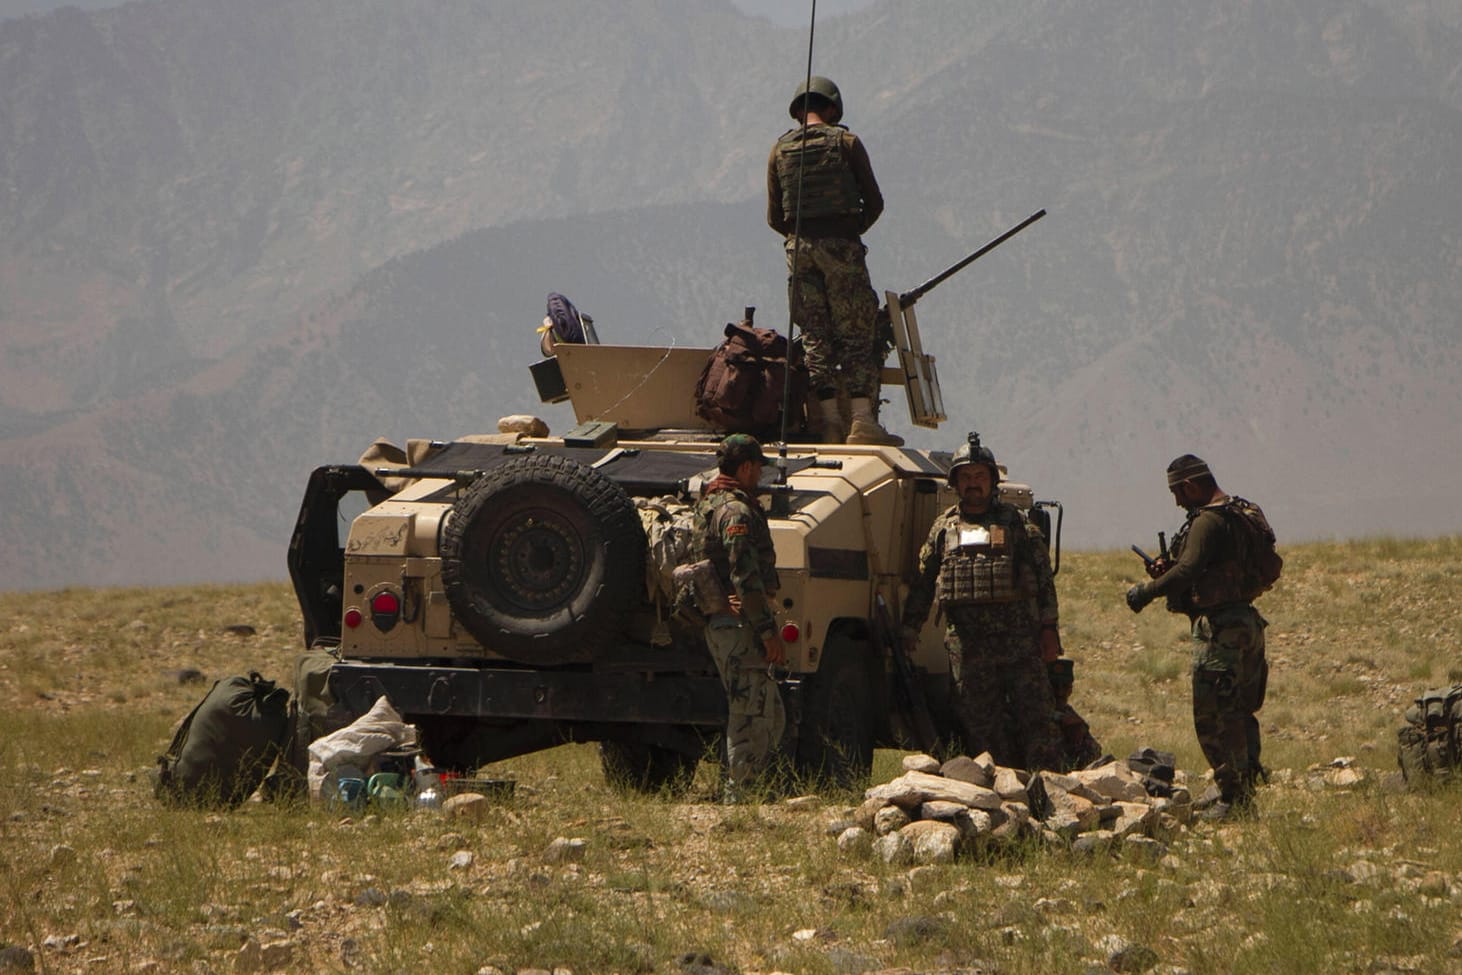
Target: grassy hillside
[[1330, 878]]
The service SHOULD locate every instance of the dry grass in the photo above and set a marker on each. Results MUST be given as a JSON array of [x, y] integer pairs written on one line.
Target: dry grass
[[95, 876]]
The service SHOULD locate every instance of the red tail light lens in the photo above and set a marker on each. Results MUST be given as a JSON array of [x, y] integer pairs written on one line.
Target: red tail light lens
[[385, 610], [790, 633], [352, 617]]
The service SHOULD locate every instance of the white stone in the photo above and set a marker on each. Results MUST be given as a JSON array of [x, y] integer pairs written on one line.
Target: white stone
[[932, 841], [522, 423], [966, 769], [890, 819], [915, 788], [894, 848], [1009, 785], [469, 805], [1134, 817], [1345, 777], [1114, 781], [565, 850]]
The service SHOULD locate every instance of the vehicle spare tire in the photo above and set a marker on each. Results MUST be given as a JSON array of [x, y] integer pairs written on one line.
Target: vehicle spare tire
[[542, 558]]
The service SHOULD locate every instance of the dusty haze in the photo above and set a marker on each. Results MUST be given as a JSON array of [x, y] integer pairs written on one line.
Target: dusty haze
[[236, 243]]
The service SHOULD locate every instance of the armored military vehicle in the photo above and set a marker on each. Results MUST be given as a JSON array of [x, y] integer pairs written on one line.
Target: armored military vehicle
[[507, 592]]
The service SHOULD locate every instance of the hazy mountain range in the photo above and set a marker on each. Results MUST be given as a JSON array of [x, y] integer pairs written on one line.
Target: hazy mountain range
[[238, 241]]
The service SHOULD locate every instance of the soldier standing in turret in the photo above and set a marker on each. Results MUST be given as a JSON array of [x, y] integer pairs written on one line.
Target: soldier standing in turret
[[821, 196], [991, 573], [1222, 559], [732, 532]]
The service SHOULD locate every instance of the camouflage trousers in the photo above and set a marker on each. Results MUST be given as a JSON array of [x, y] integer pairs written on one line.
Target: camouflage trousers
[[833, 303], [1005, 703], [755, 717], [1230, 676]]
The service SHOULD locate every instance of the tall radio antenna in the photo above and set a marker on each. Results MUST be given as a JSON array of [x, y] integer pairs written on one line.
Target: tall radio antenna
[[796, 254]]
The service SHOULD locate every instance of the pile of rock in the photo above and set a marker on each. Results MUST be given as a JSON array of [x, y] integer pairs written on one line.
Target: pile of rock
[[935, 812]]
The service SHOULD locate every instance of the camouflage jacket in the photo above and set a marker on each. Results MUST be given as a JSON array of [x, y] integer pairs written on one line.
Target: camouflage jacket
[[1032, 562], [732, 531]]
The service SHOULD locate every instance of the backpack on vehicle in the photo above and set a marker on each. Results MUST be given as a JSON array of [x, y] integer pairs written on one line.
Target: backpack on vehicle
[[1261, 563], [1429, 745], [226, 745], [740, 389], [670, 532]]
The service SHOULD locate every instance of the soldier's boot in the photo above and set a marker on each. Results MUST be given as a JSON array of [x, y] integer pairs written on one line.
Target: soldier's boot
[[832, 420], [866, 429]]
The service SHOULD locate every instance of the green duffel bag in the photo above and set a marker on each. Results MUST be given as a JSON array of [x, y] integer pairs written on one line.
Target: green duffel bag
[[1429, 745], [226, 745]]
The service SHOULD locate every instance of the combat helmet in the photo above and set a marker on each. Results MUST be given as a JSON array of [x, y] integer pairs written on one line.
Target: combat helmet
[[973, 452], [817, 85]]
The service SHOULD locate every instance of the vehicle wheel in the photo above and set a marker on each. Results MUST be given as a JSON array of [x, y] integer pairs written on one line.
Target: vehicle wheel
[[835, 742], [541, 559], [632, 766]]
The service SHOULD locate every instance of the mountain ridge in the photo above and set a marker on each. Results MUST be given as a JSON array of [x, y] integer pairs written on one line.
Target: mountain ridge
[[1250, 251]]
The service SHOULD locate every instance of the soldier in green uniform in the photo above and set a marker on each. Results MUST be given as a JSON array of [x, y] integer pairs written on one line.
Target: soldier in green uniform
[[1211, 578], [991, 573], [743, 640], [822, 197]]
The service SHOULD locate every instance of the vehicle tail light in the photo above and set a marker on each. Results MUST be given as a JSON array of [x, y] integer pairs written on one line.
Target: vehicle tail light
[[352, 617], [790, 633], [385, 610]]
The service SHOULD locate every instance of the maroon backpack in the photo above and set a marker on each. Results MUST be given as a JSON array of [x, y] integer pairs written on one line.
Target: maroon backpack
[[740, 389]]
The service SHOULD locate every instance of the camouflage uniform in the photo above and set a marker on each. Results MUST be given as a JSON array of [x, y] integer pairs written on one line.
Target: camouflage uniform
[[1229, 673], [732, 532], [829, 292], [1006, 705]]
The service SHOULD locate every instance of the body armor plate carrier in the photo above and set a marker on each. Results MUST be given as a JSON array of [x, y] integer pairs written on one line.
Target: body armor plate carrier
[[979, 566], [827, 184]]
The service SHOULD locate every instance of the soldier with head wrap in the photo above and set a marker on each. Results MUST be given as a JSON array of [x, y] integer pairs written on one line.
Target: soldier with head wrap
[[822, 197], [1217, 568], [990, 571]]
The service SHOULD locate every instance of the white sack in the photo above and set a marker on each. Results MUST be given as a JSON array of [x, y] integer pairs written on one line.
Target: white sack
[[343, 753]]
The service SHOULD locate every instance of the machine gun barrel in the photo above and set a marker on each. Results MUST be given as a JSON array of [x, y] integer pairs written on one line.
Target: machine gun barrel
[[907, 298]]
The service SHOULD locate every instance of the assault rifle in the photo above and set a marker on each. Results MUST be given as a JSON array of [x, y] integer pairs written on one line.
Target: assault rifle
[[908, 691], [1156, 566]]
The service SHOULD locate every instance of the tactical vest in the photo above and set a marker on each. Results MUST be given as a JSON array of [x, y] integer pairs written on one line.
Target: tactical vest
[[828, 186], [985, 572], [1248, 564]]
